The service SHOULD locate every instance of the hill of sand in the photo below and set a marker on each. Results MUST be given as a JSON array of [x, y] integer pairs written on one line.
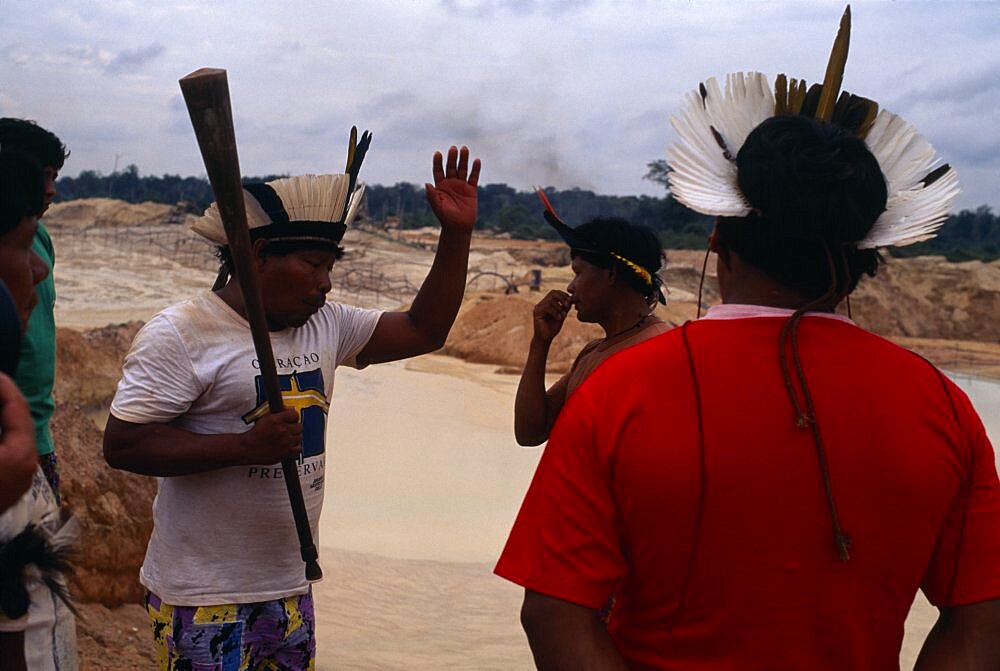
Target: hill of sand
[[947, 312], [118, 263], [110, 213]]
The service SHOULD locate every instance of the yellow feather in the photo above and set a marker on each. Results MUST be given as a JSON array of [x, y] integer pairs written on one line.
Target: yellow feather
[[780, 95], [835, 69], [352, 145], [796, 95]]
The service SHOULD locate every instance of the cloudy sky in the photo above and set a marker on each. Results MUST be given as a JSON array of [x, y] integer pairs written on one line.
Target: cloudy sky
[[567, 94]]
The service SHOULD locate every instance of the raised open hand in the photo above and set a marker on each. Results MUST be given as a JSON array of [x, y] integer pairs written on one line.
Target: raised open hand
[[453, 195]]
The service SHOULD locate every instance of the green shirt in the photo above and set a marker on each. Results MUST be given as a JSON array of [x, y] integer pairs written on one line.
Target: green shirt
[[36, 371]]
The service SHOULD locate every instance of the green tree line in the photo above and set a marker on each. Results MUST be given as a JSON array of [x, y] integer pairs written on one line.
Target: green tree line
[[970, 234]]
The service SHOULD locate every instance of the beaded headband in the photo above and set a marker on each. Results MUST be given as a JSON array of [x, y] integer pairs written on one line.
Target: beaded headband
[[577, 241]]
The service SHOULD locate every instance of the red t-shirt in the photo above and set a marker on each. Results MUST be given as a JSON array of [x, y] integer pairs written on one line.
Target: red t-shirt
[[757, 584]]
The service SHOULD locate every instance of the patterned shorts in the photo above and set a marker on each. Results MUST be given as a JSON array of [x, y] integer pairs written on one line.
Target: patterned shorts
[[50, 467], [267, 636]]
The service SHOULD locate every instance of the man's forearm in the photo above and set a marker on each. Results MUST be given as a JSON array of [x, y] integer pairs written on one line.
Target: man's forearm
[[12, 651], [964, 637], [436, 304], [162, 450], [531, 411], [567, 637]]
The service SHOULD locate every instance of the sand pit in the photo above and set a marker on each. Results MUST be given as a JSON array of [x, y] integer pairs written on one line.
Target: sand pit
[[425, 477], [419, 507]]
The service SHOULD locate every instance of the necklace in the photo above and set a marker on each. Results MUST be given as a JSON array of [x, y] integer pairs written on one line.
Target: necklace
[[630, 328]]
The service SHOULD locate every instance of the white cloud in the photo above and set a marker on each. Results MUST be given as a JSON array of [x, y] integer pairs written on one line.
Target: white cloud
[[567, 93]]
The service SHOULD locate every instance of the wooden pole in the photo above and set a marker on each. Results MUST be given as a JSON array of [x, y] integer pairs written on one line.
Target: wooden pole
[[206, 93]]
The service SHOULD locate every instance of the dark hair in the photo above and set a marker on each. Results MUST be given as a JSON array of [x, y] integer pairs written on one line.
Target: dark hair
[[816, 190], [282, 248], [22, 188], [27, 136], [638, 244]]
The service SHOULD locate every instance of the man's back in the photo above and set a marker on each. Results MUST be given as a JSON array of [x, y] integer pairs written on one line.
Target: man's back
[[721, 553]]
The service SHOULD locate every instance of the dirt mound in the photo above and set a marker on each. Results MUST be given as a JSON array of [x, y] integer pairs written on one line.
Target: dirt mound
[[927, 297], [959, 356], [923, 298], [114, 639], [495, 328], [110, 213], [115, 510], [543, 255], [89, 363]]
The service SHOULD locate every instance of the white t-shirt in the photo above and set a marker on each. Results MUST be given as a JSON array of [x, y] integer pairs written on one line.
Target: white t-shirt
[[227, 536], [49, 627]]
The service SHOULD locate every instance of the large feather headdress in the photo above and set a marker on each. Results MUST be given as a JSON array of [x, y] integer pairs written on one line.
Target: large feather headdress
[[713, 124], [308, 207]]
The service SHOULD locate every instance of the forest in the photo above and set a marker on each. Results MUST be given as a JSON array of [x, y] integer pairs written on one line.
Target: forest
[[967, 235]]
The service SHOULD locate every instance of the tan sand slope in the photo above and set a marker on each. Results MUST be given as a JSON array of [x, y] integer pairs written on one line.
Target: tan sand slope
[[417, 507], [111, 213], [441, 481]]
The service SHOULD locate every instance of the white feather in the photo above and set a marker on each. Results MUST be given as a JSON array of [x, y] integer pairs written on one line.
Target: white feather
[[701, 176], [913, 215], [210, 226], [313, 197], [913, 211], [352, 210]]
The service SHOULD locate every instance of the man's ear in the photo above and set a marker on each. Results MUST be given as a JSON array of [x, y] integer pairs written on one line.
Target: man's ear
[[713, 238], [715, 244]]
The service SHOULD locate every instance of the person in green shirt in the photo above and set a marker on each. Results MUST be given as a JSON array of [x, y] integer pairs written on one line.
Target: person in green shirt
[[36, 370]]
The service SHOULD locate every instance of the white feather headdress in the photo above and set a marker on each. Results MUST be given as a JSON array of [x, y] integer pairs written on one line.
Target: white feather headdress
[[712, 126], [306, 207]]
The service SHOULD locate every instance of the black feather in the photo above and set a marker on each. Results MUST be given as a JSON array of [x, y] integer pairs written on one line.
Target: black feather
[[935, 175], [722, 143], [855, 113], [811, 101], [31, 546], [354, 169]]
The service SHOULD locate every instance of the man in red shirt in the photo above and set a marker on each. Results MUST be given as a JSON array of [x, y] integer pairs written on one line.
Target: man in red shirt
[[768, 487]]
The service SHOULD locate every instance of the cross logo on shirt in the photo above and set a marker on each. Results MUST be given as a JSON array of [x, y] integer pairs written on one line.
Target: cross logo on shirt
[[304, 393]]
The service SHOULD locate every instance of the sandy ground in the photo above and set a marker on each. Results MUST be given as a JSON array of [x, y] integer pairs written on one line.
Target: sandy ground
[[107, 276], [443, 481], [416, 512], [418, 506]]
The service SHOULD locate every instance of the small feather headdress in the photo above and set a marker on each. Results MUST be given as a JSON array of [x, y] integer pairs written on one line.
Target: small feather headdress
[[581, 243], [713, 124], [308, 207]]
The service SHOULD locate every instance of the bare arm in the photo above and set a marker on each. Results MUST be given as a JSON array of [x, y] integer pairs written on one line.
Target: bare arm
[[12, 651], [565, 636], [163, 450], [535, 409], [424, 327], [18, 459], [965, 638]]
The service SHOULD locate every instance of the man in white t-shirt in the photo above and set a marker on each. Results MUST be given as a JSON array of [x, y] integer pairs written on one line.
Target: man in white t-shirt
[[226, 582]]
